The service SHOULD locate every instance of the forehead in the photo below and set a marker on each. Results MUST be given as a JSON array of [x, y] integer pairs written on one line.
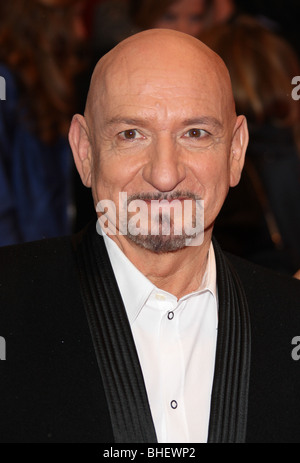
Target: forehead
[[169, 76]]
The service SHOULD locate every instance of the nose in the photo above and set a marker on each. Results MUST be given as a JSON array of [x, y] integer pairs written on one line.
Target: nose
[[165, 169]]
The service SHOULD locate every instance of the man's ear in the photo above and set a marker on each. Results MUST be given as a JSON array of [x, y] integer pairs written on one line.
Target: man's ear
[[81, 148], [238, 149]]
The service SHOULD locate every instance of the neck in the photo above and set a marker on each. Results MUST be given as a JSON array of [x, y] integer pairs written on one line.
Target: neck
[[178, 272]]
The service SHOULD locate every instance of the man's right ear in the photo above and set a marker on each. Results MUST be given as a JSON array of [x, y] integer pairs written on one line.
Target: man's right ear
[[81, 148]]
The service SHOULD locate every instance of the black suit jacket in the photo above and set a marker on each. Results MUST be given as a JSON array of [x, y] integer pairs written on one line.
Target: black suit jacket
[[51, 388]]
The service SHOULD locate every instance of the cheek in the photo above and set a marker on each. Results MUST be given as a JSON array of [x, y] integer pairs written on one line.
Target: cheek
[[102, 180], [213, 171], [106, 183], [111, 176], [214, 181]]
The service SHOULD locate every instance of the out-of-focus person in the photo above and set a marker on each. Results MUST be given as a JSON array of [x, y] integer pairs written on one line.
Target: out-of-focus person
[[188, 16], [110, 24], [223, 11], [261, 216], [39, 59]]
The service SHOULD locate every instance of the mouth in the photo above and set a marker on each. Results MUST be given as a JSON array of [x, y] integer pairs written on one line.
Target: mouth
[[169, 197]]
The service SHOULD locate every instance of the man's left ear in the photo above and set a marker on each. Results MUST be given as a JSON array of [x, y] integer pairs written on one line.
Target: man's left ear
[[238, 149]]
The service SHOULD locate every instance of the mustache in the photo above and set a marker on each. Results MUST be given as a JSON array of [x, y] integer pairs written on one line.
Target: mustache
[[158, 196]]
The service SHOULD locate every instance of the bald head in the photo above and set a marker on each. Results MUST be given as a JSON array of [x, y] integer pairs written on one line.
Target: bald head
[[161, 53]]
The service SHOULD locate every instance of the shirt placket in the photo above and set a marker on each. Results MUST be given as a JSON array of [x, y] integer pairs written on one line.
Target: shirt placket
[[172, 368]]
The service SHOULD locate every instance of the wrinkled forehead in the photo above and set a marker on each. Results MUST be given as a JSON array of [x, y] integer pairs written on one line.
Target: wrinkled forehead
[[162, 66]]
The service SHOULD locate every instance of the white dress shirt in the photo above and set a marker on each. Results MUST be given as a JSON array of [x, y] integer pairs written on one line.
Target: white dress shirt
[[176, 344]]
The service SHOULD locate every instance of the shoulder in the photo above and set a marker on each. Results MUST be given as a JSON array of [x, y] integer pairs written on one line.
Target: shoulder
[[273, 302], [257, 278], [39, 291], [32, 270], [49, 350], [273, 298], [33, 254]]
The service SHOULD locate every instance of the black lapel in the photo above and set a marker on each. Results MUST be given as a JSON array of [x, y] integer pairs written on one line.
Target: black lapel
[[114, 345], [229, 403]]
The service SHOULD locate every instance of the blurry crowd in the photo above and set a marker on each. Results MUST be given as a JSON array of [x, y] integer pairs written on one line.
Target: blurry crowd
[[48, 49]]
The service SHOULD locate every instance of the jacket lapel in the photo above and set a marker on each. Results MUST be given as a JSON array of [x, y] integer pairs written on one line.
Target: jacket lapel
[[229, 403], [114, 346]]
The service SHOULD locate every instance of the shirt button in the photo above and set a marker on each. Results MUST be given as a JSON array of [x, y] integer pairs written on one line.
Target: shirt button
[[174, 404], [170, 315]]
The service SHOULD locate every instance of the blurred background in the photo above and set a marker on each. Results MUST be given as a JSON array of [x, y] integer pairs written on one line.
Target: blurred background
[[48, 49]]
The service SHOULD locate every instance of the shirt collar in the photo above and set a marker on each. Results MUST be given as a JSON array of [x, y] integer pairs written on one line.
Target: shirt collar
[[135, 288]]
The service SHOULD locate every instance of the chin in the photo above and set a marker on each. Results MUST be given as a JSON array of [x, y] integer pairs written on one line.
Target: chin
[[160, 244]]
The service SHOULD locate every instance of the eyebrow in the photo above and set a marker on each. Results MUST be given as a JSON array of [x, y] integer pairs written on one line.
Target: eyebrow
[[202, 120], [125, 120]]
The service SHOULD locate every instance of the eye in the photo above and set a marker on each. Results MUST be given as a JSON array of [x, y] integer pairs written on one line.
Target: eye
[[130, 134], [195, 133]]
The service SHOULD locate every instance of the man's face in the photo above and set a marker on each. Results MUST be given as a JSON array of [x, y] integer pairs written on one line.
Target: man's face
[[162, 129]]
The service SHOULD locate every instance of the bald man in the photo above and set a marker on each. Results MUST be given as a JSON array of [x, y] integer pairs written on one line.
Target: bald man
[[140, 329]]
